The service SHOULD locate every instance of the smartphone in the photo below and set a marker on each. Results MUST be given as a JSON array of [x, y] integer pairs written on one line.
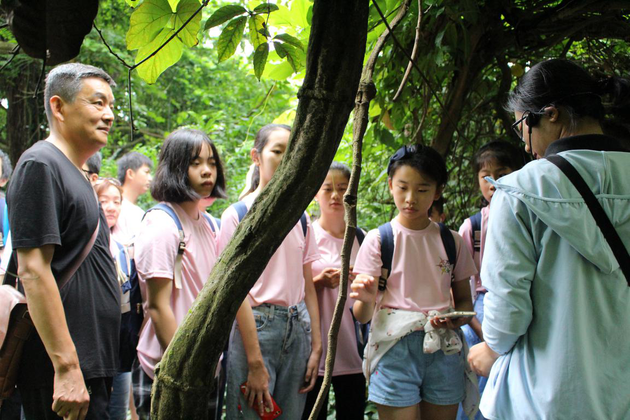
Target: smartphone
[[457, 314], [269, 414]]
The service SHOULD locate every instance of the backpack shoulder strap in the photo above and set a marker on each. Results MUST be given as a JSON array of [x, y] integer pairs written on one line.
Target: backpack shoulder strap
[[475, 221], [304, 223], [360, 234], [210, 221], [387, 253], [241, 210], [122, 258], [177, 270], [597, 211], [449, 244]]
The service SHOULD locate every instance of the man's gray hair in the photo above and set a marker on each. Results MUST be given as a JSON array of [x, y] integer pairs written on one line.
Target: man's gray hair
[[66, 81]]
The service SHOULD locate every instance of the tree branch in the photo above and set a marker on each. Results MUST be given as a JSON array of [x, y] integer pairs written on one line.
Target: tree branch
[[414, 54]]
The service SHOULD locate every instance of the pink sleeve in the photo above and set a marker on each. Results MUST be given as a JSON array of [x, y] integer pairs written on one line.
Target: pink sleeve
[[369, 257], [311, 250], [465, 266], [229, 222], [156, 246]]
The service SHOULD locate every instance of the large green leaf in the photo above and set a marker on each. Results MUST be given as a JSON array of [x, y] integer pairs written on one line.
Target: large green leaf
[[260, 59], [223, 14], [257, 30], [230, 37], [290, 39], [265, 8], [154, 16], [166, 57], [146, 22], [280, 72]]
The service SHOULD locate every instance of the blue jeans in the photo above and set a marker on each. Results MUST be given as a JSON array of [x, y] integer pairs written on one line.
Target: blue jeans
[[284, 335], [472, 339], [119, 400]]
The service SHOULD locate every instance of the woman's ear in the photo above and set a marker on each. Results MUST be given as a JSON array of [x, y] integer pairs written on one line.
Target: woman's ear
[[254, 155], [552, 112], [389, 183]]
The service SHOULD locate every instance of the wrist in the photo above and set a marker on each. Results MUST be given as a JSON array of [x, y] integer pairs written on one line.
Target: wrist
[[65, 361], [256, 364]]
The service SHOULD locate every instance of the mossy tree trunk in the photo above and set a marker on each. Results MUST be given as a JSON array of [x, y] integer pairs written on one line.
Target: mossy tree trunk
[[336, 49]]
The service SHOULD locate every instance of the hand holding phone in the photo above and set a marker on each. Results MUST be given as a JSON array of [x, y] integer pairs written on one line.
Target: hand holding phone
[[266, 413]]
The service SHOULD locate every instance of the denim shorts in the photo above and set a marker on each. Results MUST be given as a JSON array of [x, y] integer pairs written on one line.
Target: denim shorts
[[406, 375], [284, 335]]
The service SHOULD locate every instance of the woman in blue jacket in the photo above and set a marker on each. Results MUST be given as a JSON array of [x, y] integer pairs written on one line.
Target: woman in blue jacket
[[557, 312]]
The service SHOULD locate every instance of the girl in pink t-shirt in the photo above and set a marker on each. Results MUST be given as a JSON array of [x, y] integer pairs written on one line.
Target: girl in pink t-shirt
[[189, 169], [275, 346], [494, 159], [348, 380], [412, 361]]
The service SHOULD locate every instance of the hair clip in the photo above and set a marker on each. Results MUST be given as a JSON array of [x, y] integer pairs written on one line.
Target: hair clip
[[402, 153]]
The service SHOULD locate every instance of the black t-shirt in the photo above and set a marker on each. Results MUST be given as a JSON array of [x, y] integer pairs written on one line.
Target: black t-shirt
[[51, 202]]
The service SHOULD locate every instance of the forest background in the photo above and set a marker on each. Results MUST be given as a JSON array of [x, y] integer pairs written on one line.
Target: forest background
[[469, 55], [238, 66]]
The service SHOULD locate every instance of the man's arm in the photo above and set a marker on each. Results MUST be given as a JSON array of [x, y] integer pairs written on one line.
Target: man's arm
[[70, 397]]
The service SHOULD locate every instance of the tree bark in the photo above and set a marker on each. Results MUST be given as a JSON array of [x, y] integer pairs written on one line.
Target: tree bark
[[25, 112], [366, 93], [335, 56]]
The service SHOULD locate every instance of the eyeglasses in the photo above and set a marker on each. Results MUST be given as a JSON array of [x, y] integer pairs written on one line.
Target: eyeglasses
[[518, 125], [113, 181]]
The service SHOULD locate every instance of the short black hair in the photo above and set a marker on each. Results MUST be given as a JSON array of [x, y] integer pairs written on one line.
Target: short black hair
[[424, 159], [7, 168], [503, 153], [180, 148], [94, 163], [133, 161]]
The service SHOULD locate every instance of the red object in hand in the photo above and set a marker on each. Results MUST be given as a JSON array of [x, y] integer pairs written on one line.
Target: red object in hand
[[269, 414]]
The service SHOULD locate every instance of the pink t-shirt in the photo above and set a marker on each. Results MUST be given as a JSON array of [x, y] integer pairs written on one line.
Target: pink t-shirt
[[155, 250], [128, 223], [466, 233], [282, 282], [347, 360], [420, 278]]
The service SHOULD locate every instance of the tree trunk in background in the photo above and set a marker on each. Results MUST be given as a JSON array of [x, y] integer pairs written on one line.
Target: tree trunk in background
[[25, 112], [334, 60]]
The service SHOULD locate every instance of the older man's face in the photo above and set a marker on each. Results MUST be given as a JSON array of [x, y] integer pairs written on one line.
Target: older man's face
[[90, 117]]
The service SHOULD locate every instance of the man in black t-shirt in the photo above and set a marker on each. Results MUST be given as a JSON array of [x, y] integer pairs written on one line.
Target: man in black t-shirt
[[68, 364]]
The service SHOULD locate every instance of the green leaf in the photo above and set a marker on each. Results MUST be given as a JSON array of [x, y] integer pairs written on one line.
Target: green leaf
[[230, 37], [146, 22], [257, 30], [294, 57], [260, 59], [224, 14], [166, 57], [289, 39], [173, 4], [133, 3], [265, 8], [154, 16], [280, 49]]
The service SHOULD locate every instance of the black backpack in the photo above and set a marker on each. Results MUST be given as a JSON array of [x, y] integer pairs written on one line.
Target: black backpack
[[131, 322]]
